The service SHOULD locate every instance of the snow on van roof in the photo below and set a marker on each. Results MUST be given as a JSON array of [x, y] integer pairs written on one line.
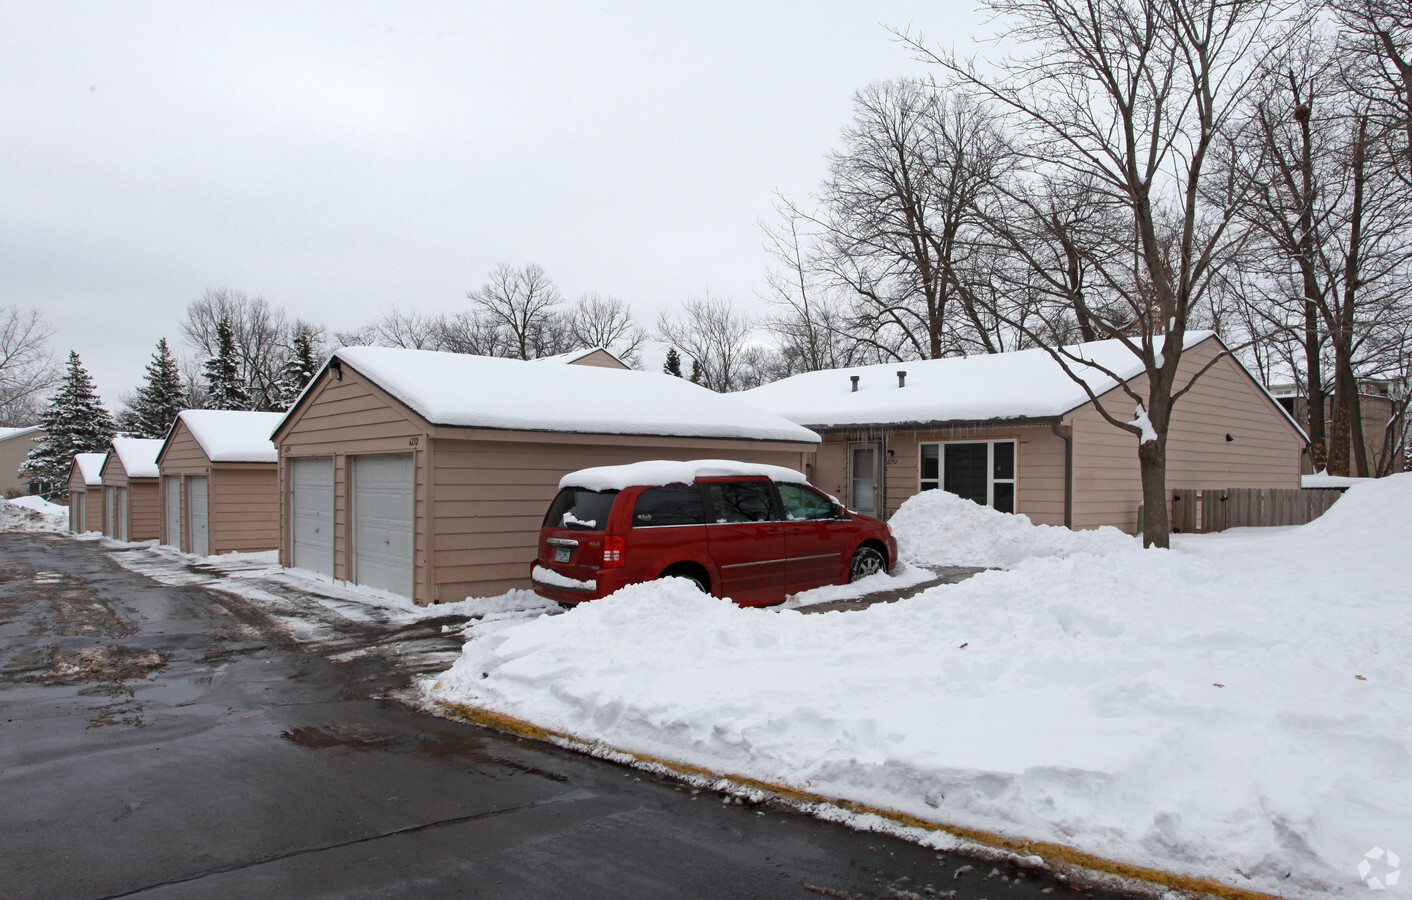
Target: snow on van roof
[[90, 466], [138, 455], [1018, 385], [487, 392], [228, 435], [665, 471]]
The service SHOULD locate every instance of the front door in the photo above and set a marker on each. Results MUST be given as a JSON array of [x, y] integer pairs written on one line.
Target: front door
[[865, 489]]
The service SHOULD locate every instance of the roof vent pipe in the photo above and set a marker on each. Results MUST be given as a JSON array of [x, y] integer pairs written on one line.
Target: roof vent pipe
[[902, 379], [854, 379]]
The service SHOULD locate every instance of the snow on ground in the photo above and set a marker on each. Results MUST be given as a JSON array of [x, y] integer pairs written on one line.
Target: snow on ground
[[32, 514], [1237, 707]]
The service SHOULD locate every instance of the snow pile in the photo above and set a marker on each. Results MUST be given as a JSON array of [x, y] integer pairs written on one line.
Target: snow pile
[[33, 514], [1236, 708], [936, 528]]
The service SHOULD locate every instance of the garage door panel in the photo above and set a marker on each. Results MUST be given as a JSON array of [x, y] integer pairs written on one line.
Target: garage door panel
[[172, 486], [383, 522], [199, 513], [311, 505]]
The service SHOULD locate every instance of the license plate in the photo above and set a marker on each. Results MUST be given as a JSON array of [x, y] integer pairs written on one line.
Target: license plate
[[561, 554]]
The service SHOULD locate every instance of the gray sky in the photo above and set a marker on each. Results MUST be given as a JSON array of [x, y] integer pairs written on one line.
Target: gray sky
[[341, 158]]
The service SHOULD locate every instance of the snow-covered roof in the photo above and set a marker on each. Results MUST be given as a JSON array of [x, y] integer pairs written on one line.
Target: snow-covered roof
[[90, 466], [7, 433], [1023, 384], [486, 392], [138, 455], [662, 471], [233, 436]]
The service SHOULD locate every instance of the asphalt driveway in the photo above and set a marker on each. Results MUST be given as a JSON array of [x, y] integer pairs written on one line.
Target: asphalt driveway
[[177, 741]]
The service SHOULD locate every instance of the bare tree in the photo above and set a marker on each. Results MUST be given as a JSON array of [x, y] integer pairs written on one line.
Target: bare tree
[[597, 320], [713, 335], [523, 303], [27, 370], [261, 340], [1375, 44], [1131, 96], [1334, 223], [899, 216]]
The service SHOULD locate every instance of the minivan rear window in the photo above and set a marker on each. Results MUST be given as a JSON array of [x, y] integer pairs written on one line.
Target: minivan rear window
[[580, 508], [672, 504]]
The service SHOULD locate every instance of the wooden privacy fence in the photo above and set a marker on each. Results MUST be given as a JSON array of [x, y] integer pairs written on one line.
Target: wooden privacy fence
[[1216, 509]]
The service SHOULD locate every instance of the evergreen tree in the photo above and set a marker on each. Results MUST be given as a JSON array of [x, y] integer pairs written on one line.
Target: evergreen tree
[[673, 364], [160, 398], [298, 371], [222, 376], [75, 422], [696, 371]]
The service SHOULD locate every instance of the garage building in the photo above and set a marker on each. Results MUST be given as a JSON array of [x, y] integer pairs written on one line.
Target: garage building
[[86, 492], [220, 482], [427, 474], [132, 511]]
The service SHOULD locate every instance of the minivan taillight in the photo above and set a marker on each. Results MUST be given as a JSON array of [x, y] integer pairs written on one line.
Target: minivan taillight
[[614, 549]]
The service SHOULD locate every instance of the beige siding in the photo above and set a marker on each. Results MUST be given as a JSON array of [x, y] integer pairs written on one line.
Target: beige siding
[[1039, 462], [352, 417], [13, 452], [93, 505], [599, 359], [1265, 450], [491, 495], [144, 500], [243, 499]]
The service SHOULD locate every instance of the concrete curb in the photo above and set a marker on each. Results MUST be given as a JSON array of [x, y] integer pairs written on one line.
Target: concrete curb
[[1049, 852]]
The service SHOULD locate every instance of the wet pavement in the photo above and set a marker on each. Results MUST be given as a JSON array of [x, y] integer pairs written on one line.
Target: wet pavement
[[940, 575], [177, 741]]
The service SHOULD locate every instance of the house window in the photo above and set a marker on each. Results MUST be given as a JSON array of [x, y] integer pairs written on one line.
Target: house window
[[983, 471]]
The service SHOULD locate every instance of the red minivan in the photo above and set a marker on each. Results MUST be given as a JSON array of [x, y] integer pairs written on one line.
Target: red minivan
[[749, 532]]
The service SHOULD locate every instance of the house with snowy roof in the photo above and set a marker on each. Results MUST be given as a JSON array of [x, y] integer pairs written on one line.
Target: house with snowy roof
[[220, 482], [1014, 432], [86, 492], [131, 507], [428, 474], [15, 444]]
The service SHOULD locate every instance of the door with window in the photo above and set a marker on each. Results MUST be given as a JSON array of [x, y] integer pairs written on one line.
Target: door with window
[[981, 471], [746, 539], [865, 487], [817, 549]]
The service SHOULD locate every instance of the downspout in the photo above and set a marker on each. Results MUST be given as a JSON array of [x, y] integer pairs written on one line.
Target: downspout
[[1068, 440]]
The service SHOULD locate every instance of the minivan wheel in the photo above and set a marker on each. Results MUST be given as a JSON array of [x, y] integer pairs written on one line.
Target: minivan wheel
[[694, 577], [867, 561]]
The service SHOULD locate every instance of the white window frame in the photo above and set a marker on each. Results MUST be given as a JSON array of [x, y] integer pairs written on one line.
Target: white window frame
[[924, 484]]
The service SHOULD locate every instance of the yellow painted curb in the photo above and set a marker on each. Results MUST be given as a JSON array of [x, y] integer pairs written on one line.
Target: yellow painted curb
[[1046, 850]]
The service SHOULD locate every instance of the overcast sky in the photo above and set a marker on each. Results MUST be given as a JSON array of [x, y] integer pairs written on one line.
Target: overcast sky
[[341, 158]]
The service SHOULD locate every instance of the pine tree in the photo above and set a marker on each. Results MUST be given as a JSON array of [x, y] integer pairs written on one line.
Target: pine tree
[[75, 422], [222, 376], [696, 371], [673, 364], [160, 398], [297, 373]]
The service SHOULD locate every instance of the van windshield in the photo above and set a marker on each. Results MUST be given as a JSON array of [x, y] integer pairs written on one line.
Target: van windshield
[[580, 508]]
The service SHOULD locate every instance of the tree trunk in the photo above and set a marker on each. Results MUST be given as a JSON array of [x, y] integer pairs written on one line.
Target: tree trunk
[[1156, 519]]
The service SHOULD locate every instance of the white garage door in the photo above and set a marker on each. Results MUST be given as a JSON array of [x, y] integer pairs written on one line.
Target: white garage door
[[311, 503], [198, 510], [171, 485], [110, 511], [121, 533], [382, 522]]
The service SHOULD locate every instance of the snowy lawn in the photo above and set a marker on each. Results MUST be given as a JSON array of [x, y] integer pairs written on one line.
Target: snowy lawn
[[1237, 707]]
